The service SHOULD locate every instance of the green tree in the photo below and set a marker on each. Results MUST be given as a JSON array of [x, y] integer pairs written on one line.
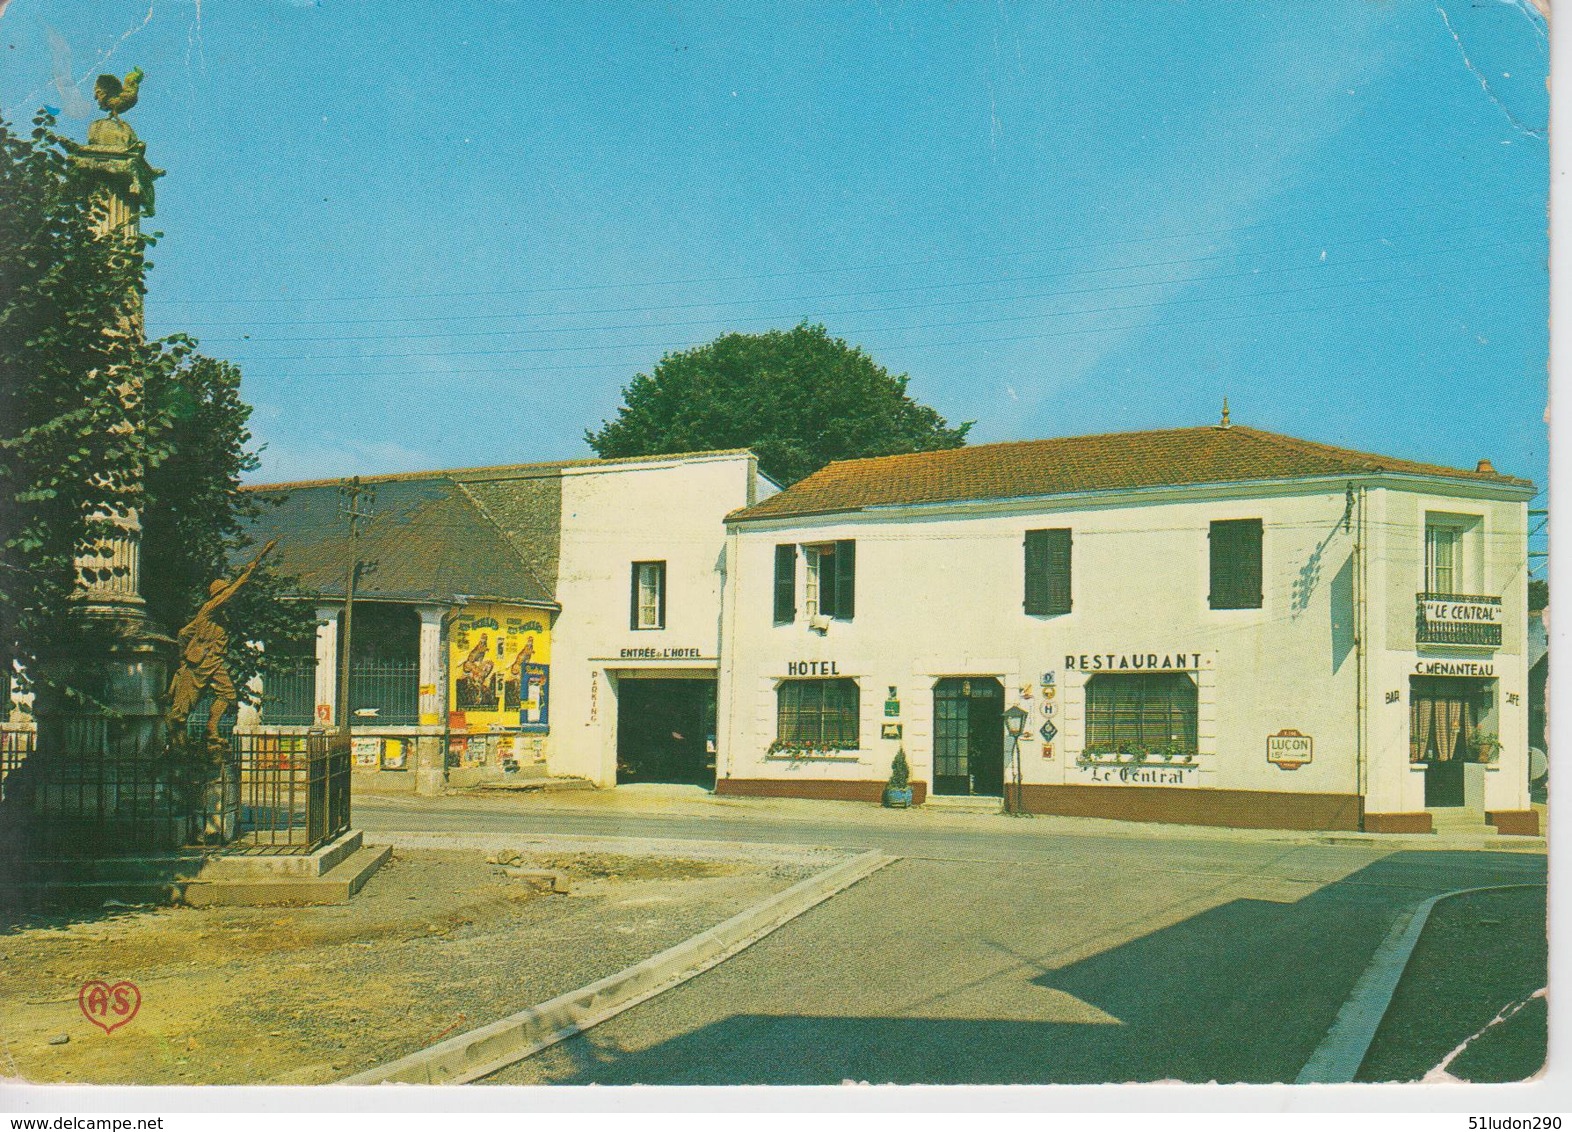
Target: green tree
[[195, 514], [72, 441], [798, 398]]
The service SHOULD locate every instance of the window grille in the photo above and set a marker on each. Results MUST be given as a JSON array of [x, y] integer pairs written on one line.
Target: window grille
[[1154, 712], [822, 713]]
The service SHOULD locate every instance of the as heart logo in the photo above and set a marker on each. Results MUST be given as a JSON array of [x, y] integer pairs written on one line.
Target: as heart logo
[[109, 1007]]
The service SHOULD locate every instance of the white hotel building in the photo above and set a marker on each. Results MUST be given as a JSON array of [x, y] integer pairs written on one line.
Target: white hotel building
[[1215, 625]]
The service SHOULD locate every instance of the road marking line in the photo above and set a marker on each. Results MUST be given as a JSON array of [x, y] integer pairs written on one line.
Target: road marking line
[[1338, 1058], [485, 1050]]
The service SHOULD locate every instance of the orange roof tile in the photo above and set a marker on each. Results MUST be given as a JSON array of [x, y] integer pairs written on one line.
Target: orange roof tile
[[1067, 465]]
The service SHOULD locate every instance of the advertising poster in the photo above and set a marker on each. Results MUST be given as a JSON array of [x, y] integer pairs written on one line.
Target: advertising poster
[[498, 661]]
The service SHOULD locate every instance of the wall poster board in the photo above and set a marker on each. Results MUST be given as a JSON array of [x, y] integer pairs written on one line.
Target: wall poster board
[[499, 659]]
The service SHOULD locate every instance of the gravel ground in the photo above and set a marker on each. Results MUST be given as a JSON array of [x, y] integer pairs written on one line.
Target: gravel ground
[[438, 942], [1476, 955]]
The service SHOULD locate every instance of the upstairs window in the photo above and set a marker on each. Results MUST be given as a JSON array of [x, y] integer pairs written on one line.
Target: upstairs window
[[1236, 564], [1048, 572], [1443, 557], [818, 713], [648, 601], [830, 579]]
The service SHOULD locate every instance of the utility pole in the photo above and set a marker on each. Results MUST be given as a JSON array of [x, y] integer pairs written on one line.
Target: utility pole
[[355, 496]]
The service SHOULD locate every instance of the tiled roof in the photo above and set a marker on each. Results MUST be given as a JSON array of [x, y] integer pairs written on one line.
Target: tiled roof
[[1067, 465], [490, 531], [429, 541]]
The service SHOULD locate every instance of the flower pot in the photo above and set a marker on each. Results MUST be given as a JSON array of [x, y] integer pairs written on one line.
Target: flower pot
[[897, 798]]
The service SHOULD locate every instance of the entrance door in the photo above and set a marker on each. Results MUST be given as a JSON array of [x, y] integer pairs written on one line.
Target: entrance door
[[968, 736], [665, 731], [1444, 717]]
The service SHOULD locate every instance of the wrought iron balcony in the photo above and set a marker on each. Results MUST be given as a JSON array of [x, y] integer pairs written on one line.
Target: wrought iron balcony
[[1457, 619]]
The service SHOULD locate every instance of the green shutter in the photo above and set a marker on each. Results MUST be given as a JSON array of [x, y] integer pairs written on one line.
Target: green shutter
[[785, 583], [1047, 572], [1058, 580], [660, 593], [1036, 602], [1236, 573], [845, 580]]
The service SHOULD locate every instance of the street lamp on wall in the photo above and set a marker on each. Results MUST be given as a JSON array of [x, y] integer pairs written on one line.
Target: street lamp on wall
[[1015, 717]]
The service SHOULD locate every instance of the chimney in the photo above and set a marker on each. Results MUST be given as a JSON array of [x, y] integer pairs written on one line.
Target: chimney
[[1486, 467]]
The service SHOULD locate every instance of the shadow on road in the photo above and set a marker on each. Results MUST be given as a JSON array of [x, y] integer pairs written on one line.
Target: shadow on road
[[1243, 992]]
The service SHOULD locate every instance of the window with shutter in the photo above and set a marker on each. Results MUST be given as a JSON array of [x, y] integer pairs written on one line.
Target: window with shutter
[[785, 583], [1236, 564], [1047, 572], [845, 580]]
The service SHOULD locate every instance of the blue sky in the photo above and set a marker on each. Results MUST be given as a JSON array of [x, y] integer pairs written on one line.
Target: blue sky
[[450, 240]]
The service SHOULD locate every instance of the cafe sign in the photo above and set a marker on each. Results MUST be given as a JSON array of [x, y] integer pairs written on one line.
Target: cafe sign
[[1289, 749]]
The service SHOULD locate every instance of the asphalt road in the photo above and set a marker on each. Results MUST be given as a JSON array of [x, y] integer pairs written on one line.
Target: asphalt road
[[999, 951]]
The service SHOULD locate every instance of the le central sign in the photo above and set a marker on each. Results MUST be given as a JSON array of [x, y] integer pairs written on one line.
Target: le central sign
[[1453, 611]]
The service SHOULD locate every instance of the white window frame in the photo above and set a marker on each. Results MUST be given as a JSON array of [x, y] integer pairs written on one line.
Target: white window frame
[[1453, 532], [651, 580], [812, 556]]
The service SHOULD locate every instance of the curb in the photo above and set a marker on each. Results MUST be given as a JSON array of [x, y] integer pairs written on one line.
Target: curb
[[1337, 1059], [702, 848], [938, 819], [489, 1048]]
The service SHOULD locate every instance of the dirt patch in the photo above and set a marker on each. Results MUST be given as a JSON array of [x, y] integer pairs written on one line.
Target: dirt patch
[[1477, 955], [439, 941]]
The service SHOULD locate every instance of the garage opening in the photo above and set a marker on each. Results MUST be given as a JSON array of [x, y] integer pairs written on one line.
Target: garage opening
[[666, 731]]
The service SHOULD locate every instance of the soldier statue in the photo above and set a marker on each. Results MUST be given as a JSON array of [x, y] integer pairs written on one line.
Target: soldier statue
[[203, 645]]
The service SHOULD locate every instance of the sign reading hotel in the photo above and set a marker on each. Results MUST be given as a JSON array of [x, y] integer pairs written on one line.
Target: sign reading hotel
[[1458, 611], [1133, 662], [1289, 749], [659, 654]]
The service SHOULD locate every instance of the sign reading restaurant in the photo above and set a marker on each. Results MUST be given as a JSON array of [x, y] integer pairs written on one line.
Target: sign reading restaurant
[[1133, 661]]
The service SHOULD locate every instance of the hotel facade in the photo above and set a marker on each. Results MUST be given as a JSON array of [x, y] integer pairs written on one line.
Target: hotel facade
[[1213, 625]]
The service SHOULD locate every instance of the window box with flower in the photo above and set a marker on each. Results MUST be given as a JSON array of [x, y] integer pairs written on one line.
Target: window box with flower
[[1165, 754]]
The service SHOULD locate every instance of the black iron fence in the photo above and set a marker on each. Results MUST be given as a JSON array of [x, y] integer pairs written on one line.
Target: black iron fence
[[1457, 619], [294, 790], [103, 785], [93, 786]]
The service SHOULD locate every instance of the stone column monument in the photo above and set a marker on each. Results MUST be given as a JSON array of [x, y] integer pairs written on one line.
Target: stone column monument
[[99, 709]]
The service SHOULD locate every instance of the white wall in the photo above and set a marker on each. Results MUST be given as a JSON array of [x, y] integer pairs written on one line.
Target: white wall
[[612, 516], [939, 592]]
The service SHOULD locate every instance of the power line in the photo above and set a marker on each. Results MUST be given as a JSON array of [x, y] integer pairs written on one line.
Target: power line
[[1471, 269], [802, 272], [889, 348], [1252, 273]]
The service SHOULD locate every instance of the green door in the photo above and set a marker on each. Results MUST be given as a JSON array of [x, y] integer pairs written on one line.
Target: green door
[[968, 736]]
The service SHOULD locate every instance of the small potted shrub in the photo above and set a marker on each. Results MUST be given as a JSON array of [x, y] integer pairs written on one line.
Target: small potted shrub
[[898, 791], [1487, 745]]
